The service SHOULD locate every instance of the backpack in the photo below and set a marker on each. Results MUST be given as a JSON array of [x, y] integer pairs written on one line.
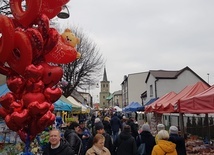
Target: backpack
[[142, 148]]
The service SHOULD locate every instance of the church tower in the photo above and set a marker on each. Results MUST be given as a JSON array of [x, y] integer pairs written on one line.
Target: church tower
[[104, 90]]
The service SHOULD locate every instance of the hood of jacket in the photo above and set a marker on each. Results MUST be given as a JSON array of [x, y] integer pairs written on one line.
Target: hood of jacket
[[166, 146], [125, 135]]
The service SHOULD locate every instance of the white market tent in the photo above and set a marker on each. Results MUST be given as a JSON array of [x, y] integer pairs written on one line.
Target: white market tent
[[72, 100], [118, 109]]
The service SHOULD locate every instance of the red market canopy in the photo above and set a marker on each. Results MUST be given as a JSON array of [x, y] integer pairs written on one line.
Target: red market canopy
[[200, 103], [159, 102], [172, 105]]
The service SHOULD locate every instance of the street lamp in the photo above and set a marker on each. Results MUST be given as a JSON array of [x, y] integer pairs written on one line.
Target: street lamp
[[64, 14], [208, 80]]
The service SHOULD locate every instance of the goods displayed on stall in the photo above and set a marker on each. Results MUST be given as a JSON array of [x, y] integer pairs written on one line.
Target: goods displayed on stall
[[194, 145]]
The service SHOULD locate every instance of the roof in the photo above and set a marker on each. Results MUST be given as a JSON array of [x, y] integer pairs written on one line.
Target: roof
[[158, 102], [109, 97], [172, 105], [142, 108], [200, 103], [166, 74], [62, 104], [105, 75], [119, 92]]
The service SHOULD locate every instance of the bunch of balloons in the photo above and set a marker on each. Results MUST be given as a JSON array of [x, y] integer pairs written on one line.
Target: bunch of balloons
[[28, 45]]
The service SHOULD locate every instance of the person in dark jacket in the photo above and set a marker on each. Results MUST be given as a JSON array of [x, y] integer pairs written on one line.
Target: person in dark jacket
[[107, 125], [115, 126], [84, 134], [134, 127], [57, 145], [178, 140], [108, 141], [147, 138], [71, 135], [125, 143]]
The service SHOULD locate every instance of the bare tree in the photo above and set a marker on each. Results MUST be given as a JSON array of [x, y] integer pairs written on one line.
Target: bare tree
[[86, 71], [5, 7]]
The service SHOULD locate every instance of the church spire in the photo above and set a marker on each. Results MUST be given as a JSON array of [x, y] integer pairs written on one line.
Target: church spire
[[105, 75]]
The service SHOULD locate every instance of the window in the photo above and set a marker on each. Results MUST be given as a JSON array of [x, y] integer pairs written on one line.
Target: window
[[104, 97], [103, 85], [151, 90], [106, 85]]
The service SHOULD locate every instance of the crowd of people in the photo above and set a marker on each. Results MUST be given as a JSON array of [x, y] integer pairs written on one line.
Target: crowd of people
[[114, 135]]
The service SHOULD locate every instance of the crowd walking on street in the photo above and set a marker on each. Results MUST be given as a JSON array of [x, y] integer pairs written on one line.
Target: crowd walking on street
[[114, 135]]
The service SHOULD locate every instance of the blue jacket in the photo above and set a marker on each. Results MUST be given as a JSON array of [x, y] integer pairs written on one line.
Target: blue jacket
[[115, 124]]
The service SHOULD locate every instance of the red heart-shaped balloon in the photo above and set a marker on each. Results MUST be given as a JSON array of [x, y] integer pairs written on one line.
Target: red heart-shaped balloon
[[16, 106], [51, 75], [37, 87], [12, 125], [16, 84], [53, 37], [31, 97], [6, 100], [49, 10], [52, 94], [36, 108], [46, 120], [3, 112], [20, 118], [33, 73]]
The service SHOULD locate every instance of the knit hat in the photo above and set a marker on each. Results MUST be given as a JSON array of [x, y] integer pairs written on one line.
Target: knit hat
[[173, 130], [99, 126], [146, 127], [127, 129], [97, 120], [160, 127]]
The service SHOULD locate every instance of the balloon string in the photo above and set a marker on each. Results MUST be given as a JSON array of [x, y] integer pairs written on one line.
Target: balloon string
[[27, 145]]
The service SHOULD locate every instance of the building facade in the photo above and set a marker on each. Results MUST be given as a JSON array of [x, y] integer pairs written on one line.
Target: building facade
[[88, 98], [117, 98], [160, 82], [132, 87]]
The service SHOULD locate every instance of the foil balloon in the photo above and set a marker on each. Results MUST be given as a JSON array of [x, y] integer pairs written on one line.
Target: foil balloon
[[27, 46], [25, 17], [52, 9], [21, 56], [62, 52], [51, 74], [7, 38]]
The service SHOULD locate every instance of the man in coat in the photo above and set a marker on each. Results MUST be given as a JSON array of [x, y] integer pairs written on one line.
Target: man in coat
[[57, 146], [115, 126]]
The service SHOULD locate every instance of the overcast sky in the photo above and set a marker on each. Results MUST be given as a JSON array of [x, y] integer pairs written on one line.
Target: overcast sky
[[141, 35]]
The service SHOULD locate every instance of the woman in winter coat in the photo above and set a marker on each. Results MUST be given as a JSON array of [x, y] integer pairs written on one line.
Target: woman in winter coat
[[178, 140], [147, 138], [71, 135], [164, 147], [125, 143], [98, 146]]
